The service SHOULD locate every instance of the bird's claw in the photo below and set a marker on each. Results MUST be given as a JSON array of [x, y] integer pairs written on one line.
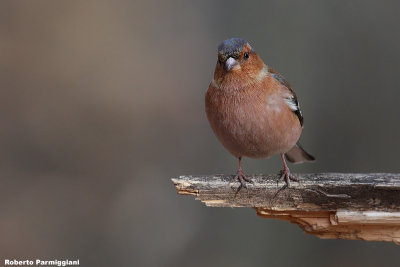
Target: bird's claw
[[285, 174], [242, 180]]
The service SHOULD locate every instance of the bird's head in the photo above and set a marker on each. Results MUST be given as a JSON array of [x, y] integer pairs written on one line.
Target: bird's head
[[237, 58]]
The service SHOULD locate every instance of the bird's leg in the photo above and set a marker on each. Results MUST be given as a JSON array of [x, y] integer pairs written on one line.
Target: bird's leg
[[285, 173], [241, 177]]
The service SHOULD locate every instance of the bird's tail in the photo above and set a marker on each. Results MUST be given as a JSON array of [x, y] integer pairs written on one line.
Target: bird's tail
[[298, 155]]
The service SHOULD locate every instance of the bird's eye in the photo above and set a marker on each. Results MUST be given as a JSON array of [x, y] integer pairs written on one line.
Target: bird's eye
[[246, 55]]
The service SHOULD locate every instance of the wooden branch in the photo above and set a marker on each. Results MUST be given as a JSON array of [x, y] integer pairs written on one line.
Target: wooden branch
[[328, 205]]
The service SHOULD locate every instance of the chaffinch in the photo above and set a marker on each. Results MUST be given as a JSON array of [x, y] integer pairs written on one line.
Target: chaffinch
[[253, 110]]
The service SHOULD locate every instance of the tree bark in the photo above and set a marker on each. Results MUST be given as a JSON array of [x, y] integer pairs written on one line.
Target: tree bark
[[328, 205]]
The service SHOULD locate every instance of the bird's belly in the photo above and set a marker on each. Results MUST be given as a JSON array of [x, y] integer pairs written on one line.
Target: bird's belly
[[254, 131]]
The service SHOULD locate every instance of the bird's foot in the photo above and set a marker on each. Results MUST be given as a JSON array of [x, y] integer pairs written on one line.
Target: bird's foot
[[285, 174], [242, 179]]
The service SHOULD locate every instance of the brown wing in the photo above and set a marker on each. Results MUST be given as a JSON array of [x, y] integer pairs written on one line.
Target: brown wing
[[293, 99]]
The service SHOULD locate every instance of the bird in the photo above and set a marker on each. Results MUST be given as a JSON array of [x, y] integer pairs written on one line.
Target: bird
[[253, 110]]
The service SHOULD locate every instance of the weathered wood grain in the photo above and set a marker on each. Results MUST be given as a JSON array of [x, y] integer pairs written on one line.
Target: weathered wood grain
[[328, 205]]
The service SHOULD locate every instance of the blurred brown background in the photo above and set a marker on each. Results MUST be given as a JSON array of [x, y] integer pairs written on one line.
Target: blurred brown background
[[102, 103]]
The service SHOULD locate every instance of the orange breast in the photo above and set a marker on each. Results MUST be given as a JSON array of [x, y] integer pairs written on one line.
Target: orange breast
[[252, 121]]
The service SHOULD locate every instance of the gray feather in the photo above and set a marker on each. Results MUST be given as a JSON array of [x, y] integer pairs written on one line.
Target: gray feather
[[298, 155]]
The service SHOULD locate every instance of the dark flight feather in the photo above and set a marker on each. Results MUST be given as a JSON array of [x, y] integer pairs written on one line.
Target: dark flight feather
[[285, 83]]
